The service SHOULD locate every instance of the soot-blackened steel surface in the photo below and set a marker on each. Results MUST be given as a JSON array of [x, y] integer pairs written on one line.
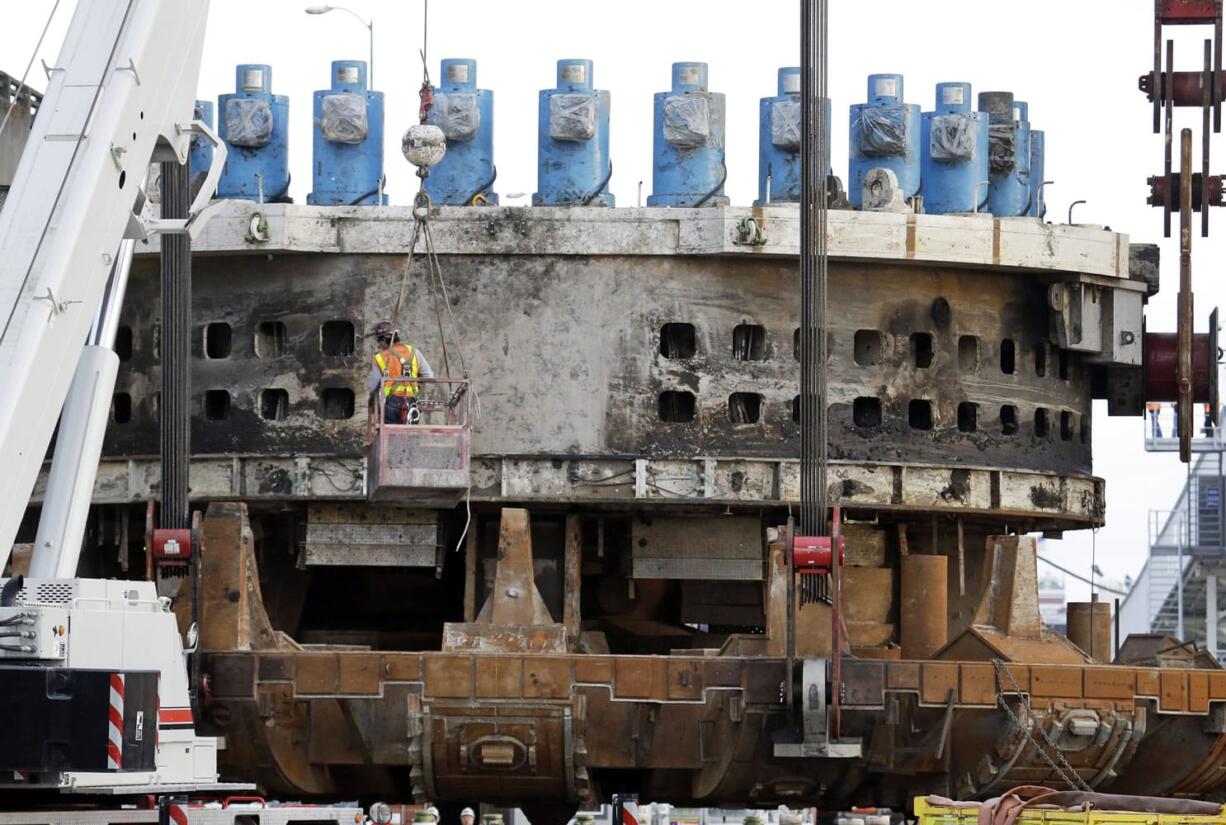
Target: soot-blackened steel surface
[[566, 354]]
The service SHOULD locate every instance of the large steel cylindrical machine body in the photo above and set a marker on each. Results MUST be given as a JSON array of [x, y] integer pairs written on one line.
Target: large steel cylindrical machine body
[[885, 133], [573, 165], [348, 140], [779, 141], [1008, 154], [465, 175], [1038, 207], [688, 167], [200, 158], [254, 123], [954, 153]]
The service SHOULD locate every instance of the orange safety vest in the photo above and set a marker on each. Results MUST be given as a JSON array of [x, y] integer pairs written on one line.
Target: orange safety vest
[[398, 360]]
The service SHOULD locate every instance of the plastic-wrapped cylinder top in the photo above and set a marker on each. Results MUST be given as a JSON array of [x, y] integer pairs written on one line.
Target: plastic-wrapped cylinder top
[[1021, 111], [885, 89], [348, 75], [789, 80], [998, 105], [784, 115], [953, 98], [253, 78], [458, 74], [689, 77], [575, 75]]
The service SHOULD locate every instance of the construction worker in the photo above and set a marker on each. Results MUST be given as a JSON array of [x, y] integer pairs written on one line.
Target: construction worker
[[1153, 408], [467, 816], [396, 359]]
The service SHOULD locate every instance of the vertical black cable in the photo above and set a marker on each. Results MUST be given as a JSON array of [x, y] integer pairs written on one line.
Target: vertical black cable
[[175, 424], [814, 162]]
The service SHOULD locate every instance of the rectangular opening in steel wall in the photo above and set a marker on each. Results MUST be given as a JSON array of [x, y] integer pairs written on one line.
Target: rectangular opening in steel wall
[[336, 403], [271, 339], [744, 407], [274, 404], [749, 342], [678, 341], [337, 338], [676, 406], [217, 340]]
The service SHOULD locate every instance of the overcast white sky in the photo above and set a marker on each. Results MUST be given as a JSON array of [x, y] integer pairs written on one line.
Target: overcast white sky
[[1076, 63]]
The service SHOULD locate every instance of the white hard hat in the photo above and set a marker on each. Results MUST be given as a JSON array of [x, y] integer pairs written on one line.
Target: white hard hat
[[467, 812], [433, 811]]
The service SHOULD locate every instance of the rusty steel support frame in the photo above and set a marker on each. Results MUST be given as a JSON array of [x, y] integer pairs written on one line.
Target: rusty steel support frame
[[1186, 12], [1166, 89], [1184, 363]]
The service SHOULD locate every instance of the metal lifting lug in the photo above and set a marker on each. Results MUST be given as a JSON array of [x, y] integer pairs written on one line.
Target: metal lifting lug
[[201, 209]]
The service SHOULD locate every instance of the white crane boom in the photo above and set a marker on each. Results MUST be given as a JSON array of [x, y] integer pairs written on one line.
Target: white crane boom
[[120, 95]]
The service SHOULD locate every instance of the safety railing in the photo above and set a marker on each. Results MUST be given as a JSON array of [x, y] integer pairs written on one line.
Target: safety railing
[[1162, 430], [425, 454]]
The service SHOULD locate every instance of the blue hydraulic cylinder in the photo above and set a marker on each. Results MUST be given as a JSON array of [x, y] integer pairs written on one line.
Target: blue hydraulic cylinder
[[885, 133], [779, 141], [688, 166], [573, 166], [954, 153], [465, 176], [200, 157], [348, 144], [254, 123], [1038, 206], [1008, 154]]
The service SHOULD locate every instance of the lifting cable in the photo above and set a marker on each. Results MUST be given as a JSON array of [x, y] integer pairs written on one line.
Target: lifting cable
[[813, 282], [434, 271], [421, 231]]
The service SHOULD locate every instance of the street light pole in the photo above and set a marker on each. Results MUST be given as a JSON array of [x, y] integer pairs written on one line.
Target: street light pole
[[370, 27]]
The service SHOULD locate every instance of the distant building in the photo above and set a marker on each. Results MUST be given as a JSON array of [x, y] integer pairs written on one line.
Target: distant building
[[23, 102], [1186, 548], [1052, 604]]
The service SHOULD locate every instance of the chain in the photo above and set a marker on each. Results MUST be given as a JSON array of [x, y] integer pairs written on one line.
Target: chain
[[1071, 778]]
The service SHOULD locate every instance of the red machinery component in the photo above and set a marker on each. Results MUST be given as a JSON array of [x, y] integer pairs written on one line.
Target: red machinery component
[[812, 554], [1187, 88], [169, 551], [1160, 358], [1167, 89], [1183, 87], [1166, 190], [1182, 367]]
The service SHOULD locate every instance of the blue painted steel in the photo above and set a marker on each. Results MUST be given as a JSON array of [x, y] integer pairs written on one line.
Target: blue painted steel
[[466, 116], [573, 166], [348, 163], [779, 141], [1038, 204], [255, 170], [200, 158], [954, 153], [688, 166], [1009, 154], [885, 133]]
